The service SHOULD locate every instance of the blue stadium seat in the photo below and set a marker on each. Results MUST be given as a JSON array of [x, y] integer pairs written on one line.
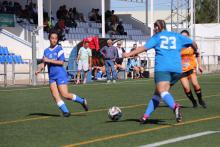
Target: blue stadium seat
[[9, 59], [15, 59], [5, 51], [1, 60], [20, 59], [1, 50]]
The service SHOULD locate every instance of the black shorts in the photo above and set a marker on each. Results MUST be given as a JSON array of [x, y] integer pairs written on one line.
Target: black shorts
[[186, 74], [119, 60], [95, 54]]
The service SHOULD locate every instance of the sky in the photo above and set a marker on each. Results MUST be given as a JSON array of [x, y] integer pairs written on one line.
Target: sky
[[129, 6]]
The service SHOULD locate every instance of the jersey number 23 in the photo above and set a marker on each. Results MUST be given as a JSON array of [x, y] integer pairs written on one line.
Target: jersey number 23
[[168, 42]]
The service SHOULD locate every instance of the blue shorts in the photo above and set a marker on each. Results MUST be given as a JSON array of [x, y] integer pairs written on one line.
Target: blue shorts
[[60, 81], [171, 77]]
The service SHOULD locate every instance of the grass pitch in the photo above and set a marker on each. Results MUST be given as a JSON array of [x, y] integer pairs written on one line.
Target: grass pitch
[[29, 116]]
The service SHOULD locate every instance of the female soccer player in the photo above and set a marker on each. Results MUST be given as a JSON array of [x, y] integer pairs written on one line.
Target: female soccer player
[[168, 67], [189, 56], [54, 59]]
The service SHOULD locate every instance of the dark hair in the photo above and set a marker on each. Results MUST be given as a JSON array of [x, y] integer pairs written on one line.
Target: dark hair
[[160, 24], [185, 31], [53, 31]]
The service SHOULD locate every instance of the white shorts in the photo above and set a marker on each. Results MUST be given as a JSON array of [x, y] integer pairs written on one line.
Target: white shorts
[[82, 65]]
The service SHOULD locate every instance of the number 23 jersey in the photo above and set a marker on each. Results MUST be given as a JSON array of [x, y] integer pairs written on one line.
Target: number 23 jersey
[[168, 46]]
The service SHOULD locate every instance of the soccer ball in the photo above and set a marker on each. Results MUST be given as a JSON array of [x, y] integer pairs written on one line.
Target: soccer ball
[[114, 113]]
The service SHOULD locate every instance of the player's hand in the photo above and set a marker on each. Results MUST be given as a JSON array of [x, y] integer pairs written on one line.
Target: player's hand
[[37, 72], [200, 69], [46, 60], [125, 55]]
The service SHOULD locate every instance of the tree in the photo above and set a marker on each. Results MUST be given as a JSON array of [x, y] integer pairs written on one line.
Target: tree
[[206, 11]]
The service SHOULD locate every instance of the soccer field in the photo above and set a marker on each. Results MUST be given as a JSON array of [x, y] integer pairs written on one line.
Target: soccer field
[[30, 118]]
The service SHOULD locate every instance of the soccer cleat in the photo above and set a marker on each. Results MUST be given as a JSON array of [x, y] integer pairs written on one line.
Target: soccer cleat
[[114, 81], [108, 81], [202, 103], [78, 82], [177, 112], [66, 114], [85, 105], [84, 81], [143, 119], [195, 105]]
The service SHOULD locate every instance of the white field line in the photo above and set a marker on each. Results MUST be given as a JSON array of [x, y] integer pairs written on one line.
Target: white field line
[[174, 140]]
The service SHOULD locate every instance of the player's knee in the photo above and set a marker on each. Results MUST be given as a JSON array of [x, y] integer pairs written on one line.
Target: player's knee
[[197, 87], [186, 89]]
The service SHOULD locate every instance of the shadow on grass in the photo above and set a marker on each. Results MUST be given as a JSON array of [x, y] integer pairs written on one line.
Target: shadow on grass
[[149, 121], [44, 114], [52, 115], [184, 107]]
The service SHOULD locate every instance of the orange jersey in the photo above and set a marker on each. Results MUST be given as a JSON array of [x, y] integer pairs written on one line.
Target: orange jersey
[[188, 59]]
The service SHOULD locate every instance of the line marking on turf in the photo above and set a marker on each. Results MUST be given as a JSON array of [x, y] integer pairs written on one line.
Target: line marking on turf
[[140, 132], [23, 120], [174, 140], [91, 111]]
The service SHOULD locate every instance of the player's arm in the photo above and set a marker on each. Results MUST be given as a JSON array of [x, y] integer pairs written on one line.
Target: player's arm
[[198, 57], [134, 52], [90, 62], [41, 66], [52, 61], [199, 61], [102, 51], [78, 57]]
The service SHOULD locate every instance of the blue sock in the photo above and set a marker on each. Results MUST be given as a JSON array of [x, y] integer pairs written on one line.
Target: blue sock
[[154, 102], [77, 99], [62, 107], [168, 99]]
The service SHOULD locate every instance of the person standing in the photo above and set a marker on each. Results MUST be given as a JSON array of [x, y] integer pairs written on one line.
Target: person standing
[[109, 53], [168, 66], [119, 59], [94, 46], [84, 61]]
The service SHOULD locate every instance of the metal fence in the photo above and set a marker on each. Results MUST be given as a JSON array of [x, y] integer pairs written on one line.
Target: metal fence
[[21, 74]]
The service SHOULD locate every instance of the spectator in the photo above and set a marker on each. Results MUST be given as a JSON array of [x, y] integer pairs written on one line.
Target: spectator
[[34, 14], [77, 15], [99, 18], [60, 26], [59, 13], [94, 46], [134, 65], [108, 15], [119, 59], [114, 18], [92, 15], [120, 29], [109, 53], [84, 61]]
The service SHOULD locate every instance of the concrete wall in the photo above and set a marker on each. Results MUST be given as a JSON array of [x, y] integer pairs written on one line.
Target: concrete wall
[[16, 46]]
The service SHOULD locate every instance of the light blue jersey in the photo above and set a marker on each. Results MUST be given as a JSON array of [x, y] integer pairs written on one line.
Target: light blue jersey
[[56, 72], [168, 46]]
